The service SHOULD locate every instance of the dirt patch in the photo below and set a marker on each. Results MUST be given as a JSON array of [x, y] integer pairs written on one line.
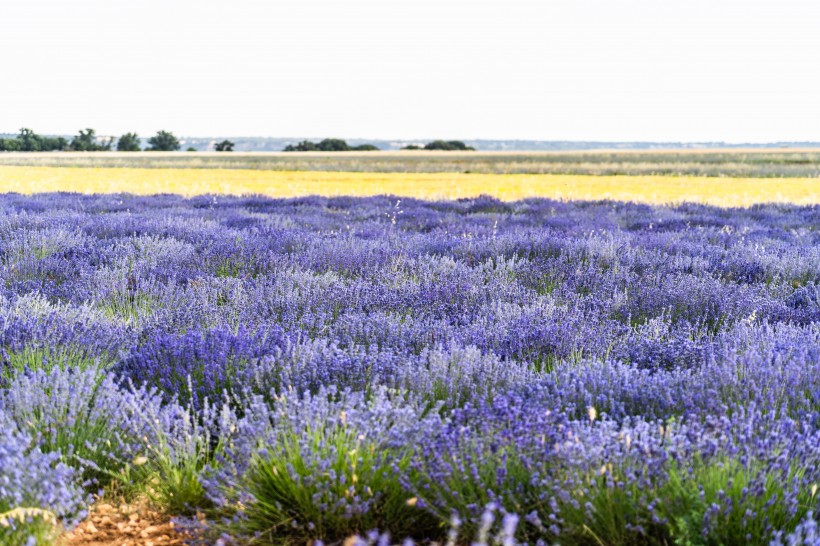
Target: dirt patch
[[123, 525]]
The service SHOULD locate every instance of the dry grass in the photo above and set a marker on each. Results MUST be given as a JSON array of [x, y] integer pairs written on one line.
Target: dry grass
[[769, 163], [646, 189]]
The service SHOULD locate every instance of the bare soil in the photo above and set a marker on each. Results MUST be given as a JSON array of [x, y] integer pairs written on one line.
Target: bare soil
[[124, 525]]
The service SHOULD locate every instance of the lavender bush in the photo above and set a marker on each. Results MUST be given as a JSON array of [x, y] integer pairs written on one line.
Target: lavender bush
[[326, 465], [37, 493]]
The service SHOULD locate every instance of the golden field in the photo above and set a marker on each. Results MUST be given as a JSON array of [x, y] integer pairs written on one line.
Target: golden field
[[728, 191]]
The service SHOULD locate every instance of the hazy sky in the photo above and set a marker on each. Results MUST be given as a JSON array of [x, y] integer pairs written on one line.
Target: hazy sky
[[550, 69]]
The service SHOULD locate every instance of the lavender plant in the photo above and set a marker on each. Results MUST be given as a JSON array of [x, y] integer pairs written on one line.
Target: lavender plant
[[38, 495], [324, 466], [86, 418]]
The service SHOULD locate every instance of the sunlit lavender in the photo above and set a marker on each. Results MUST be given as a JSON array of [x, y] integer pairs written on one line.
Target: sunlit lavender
[[535, 372]]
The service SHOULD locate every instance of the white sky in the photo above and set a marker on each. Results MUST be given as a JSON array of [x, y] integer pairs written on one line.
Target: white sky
[[740, 71]]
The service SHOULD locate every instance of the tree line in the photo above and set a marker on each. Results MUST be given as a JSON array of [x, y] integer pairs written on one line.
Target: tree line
[[339, 145], [165, 141], [328, 145], [87, 141], [446, 145]]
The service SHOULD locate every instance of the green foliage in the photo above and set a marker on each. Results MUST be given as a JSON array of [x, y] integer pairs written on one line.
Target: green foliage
[[411, 147], [169, 473], [9, 145], [29, 141], [163, 141], [686, 504], [54, 143], [333, 145], [224, 146], [86, 141], [449, 146], [128, 306], [83, 432], [328, 145], [296, 501], [172, 483], [63, 357], [463, 491], [129, 142], [303, 146], [228, 267], [686, 501]]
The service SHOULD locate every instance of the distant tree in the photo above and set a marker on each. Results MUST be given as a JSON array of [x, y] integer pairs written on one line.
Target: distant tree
[[49, 144], [9, 145], [191, 149], [224, 146], [304, 146], [29, 141], [83, 142], [86, 141], [129, 142], [333, 145], [448, 145], [411, 147], [163, 141], [328, 145]]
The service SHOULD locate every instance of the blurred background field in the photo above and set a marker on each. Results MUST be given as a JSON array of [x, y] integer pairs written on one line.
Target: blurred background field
[[754, 163], [713, 177]]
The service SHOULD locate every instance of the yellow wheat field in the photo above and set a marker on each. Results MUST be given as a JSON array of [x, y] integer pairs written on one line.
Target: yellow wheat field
[[645, 189]]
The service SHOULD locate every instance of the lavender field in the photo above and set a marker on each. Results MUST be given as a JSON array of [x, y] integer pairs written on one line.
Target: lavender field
[[535, 372]]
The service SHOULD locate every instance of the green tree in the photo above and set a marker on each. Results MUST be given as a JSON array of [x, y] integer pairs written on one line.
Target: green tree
[[163, 141], [304, 146], [53, 143], [9, 145], [224, 146], [449, 146], [86, 141], [29, 141], [129, 142], [333, 145], [328, 145]]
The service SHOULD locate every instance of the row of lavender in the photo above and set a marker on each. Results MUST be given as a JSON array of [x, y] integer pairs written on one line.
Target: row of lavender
[[314, 368]]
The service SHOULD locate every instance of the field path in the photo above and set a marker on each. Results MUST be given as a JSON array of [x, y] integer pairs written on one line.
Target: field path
[[124, 525]]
